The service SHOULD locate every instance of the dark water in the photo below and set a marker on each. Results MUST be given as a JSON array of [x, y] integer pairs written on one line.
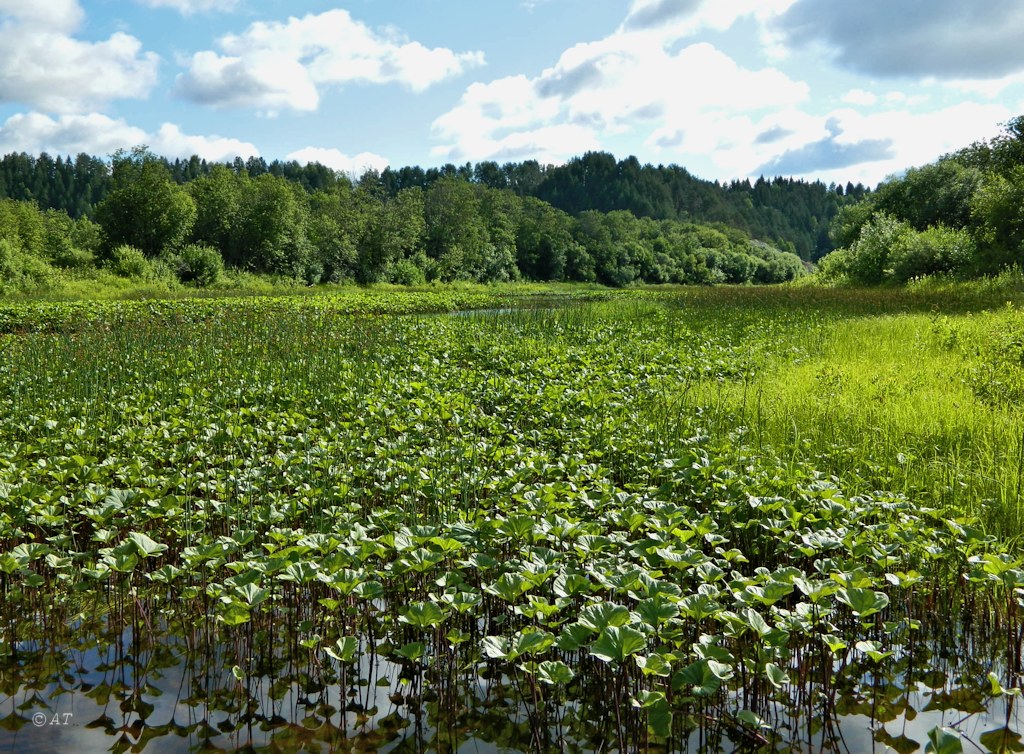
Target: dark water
[[176, 690]]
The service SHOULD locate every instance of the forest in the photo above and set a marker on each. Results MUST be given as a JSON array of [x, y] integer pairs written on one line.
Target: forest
[[191, 222], [961, 216], [161, 223]]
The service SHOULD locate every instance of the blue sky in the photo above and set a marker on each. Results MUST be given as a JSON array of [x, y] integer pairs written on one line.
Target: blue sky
[[817, 89]]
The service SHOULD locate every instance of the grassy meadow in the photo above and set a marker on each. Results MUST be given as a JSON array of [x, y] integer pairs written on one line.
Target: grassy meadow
[[663, 519]]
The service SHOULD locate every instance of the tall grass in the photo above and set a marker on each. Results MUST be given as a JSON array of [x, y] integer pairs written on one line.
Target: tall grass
[[884, 400]]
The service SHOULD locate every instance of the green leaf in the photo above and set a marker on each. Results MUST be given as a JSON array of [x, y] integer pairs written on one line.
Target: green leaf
[[573, 637], [497, 648], [344, 649], [457, 636], [509, 587], [750, 719], [659, 714], [834, 643], [554, 673], [1001, 740], [532, 642], [654, 611], [616, 643], [863, 602], [777, 677], [233, 614], [699, 676], [145, 546], [943, 741], [412, 651], [422, 615], [602, 615], [998, 689], [655, 664], [872, 649]]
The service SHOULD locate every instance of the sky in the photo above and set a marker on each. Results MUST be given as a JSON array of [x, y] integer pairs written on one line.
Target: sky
[[816, 89]]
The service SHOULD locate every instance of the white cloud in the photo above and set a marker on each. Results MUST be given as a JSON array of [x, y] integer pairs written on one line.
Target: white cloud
[[989, 88], [337, 160], [679, 18], [171, 142], [93, 134], [860, 97], [188, 7], [269, 81], [627, 83], [914, 138], [55, 15], [42, 65], [547, 145], [276, 65], [98, 134]]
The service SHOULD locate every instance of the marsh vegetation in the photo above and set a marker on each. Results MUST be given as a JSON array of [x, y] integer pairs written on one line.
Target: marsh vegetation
[[663, 520]]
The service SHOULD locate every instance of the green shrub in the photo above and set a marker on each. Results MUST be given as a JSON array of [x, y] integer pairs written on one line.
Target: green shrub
[[69, 257], [21, 272], [129, 262], [406, 272], [199, 265], [879, 238], [933, 251]]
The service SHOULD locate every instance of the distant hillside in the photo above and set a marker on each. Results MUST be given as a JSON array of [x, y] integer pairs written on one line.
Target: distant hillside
[[190, 223], [792, 215]]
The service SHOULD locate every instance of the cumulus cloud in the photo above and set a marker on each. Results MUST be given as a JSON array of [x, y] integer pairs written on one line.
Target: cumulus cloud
[[98, 134], [546, 144], [828, 154], [269, 81], [647, 14], [625, 83], [680, 18], [272, 66], [42, 65], [170, 141], [850, 145], [941, 38], [55, 15], [188, 7], [67, 134], [337, 160], [860, 97]]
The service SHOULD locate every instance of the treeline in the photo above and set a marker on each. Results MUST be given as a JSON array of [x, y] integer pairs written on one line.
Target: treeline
[[149, 226], [791, 215], [960, 216]]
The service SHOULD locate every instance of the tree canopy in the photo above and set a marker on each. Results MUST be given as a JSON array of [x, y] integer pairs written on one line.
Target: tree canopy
[[620, 223], [962, 215]]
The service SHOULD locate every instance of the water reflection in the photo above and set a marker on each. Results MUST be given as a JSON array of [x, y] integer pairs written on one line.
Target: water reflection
[[158, 686]]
